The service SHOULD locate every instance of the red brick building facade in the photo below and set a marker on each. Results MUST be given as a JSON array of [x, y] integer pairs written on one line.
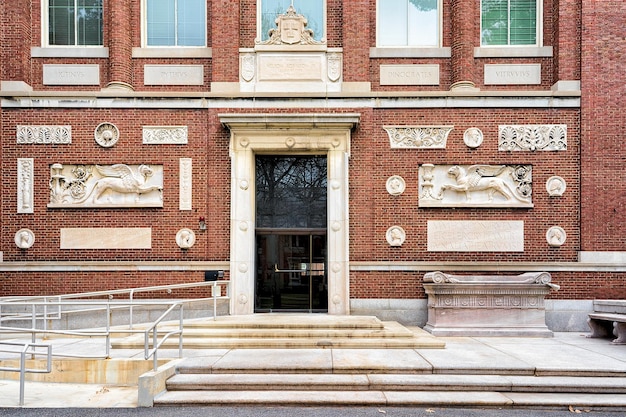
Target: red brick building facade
[[339, 93]]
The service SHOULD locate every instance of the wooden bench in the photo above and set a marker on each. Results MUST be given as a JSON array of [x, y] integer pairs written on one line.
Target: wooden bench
[[608, 325]]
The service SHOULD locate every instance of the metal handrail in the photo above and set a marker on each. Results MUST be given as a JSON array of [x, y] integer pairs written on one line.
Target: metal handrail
[[26, 347], [108, 306]]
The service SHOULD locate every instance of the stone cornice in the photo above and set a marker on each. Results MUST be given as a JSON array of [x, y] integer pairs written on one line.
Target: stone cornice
[[91, 266]]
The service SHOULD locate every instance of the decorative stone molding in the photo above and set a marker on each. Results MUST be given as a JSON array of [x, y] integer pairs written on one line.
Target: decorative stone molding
[[479, 305], [25, 188], [395, 185], [185, 238], [556, 236], [475, 186], [473, 137], [532, 138], [161, 135], [417, 137], [106, 134], [555, 186], [185, 184], [24, 238], [116, 185], [44, 134], [395, 236]]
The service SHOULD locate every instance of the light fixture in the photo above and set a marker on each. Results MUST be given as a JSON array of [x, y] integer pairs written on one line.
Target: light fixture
[[201, 223]]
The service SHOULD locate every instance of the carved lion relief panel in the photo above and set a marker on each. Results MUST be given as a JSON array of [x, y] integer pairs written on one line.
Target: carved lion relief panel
[[475, 186]]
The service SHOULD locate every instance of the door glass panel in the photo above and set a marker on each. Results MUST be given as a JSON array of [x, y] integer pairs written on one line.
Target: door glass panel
[[291, 192], [291, 234]]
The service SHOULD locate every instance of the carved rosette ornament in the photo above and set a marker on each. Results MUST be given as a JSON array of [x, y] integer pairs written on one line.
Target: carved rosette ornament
[[106, 134], [532, 138], [415, 137]]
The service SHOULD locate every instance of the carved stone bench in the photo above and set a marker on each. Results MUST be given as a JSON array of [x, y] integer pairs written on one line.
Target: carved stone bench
[[609, 320], [479, 305]]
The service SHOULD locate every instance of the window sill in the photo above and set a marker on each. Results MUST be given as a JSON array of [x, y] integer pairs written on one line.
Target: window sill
[[172, 52], [70, 52], [513, 52], [410, 52]]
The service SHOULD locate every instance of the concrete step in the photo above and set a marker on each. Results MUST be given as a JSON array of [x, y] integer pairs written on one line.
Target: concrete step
[[393, 398], [394, 382]]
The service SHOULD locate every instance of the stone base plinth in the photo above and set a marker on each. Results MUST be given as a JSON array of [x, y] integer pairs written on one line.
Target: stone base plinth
[[487, 305]]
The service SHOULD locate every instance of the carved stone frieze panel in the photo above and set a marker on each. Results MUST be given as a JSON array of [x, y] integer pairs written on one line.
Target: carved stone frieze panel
[[415, 137], [185, 184], [118, 185], [475, 186], [161, 135], [532, 138], [25, 188], [44, 134]]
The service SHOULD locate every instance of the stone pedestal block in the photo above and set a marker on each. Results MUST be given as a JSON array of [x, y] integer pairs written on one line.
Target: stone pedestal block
[[476, 305]]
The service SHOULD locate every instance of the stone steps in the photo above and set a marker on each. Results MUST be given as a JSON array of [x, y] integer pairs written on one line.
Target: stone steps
[[290, 331]]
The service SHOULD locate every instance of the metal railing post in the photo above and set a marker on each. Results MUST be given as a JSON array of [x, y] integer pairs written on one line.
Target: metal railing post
[[181, 326]]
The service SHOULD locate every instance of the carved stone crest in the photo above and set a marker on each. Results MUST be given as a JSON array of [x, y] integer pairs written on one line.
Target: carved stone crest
[[291, 30]]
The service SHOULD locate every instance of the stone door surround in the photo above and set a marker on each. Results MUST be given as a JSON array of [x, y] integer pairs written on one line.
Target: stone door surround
[[296, 134]]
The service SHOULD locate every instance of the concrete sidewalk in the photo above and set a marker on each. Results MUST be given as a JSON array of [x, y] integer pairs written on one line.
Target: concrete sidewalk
[[473, 361]]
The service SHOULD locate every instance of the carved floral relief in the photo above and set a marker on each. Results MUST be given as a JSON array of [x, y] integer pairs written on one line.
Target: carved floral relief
[[160, 135], [117, 185], [44, 134], [475, 186], [25, 187], [532, 138], [413, 137]]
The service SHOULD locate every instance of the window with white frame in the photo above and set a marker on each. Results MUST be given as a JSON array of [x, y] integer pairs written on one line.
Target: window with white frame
[[313, 10], [175, 23], [410, 23], [74, 22], [509, 22]]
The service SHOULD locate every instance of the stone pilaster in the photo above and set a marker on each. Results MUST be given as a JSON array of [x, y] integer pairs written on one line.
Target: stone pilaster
[[463, 15], [120, 45]]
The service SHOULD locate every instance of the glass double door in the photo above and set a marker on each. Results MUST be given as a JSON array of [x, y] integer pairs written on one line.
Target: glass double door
[[291, 272], [291, 256]]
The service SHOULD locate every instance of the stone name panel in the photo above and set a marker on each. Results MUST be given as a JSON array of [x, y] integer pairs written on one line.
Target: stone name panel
[[106, 238], [185, 184], [499, 74], [66, 74], [416, 74], [286, 67], [475, 236], [173, 74]]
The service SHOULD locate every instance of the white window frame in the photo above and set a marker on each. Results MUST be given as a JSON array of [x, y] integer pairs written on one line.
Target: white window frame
[[538, 28], [144, 29], [439, 34], [45, 27], [259, 10]]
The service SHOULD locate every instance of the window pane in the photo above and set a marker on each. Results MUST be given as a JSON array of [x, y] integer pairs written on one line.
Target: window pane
[[191, 23], [494, 22], [313, 10], [161, 22], [523, 22], [61, 22], [408, 23], [89, 22]]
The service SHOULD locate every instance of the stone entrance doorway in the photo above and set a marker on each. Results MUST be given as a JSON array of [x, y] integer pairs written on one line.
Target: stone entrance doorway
[[252, 135]]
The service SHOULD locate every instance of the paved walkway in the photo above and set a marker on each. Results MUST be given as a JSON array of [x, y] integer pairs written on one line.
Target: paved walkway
[[566, 354]]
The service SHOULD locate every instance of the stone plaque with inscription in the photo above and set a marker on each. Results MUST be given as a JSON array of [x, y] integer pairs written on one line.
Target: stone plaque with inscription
[[106, 238], [475, 236], [66, 74], [512, 74], [173, 74], [417, 74], [285, 67]]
